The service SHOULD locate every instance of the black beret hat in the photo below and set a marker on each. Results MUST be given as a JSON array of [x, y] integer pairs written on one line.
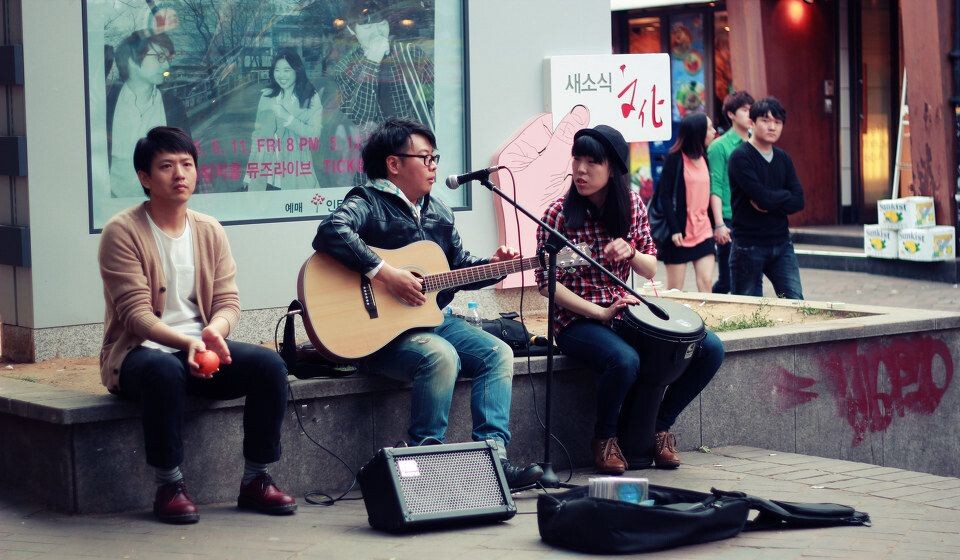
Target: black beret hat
[[618, 153]]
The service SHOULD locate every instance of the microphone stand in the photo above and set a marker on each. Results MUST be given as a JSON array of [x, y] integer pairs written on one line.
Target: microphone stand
[[554, 244]]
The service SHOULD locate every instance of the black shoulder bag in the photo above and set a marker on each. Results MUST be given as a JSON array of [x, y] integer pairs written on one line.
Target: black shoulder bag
[[659, 228]]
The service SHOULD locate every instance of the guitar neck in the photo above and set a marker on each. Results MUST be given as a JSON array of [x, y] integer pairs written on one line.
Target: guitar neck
[[464, 276]]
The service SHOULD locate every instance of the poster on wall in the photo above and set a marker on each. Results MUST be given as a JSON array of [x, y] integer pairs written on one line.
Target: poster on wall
[[687, 64], [278, 95]]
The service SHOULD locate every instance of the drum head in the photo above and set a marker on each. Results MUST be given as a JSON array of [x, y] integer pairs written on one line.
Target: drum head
[[683, 322]]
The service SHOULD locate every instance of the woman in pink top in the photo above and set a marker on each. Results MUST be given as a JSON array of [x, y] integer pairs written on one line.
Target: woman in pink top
[[683, 194]]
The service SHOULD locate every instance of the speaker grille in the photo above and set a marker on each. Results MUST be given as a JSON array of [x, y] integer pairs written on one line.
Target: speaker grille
[[449, 482]]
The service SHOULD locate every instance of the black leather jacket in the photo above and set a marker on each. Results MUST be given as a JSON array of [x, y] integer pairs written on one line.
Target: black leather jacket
[[369, 217]]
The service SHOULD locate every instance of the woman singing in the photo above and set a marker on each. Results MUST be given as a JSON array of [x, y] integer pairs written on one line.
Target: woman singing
[[601, 211]]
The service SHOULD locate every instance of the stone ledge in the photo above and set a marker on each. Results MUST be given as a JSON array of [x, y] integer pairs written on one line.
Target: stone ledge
[[58, 405], [84, 453]]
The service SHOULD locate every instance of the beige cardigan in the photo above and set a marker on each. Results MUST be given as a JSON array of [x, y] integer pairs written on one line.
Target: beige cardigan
[[134, 286]]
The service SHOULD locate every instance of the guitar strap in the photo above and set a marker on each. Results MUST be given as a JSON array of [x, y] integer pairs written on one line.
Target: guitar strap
[[288, 348]]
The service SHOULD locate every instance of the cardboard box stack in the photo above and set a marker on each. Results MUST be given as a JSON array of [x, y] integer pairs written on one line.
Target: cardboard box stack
[[880, 243], [927, 244], [907, 229]]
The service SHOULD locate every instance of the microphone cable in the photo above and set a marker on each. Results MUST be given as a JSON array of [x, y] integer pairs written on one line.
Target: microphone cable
[[315, 497], [533, 387]]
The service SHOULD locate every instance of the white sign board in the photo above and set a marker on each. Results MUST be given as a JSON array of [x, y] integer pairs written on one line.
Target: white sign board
[[630, 92]]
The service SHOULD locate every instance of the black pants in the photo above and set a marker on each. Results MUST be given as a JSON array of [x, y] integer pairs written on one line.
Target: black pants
[[722, 286], [160, 381]]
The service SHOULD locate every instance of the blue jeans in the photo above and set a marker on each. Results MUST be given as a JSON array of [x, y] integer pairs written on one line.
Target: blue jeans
[[618, 364], [722, 285], [749, 263], [160, 381], [432, 360]]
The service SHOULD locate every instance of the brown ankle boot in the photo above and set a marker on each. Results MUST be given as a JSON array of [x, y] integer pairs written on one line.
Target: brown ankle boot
[[665, 451], [607, 456]]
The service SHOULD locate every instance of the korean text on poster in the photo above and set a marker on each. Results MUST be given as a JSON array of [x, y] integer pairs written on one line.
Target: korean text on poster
[[630, 92]]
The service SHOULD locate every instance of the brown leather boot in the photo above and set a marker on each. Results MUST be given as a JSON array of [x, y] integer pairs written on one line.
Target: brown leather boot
[[665, 454], [607, 456]]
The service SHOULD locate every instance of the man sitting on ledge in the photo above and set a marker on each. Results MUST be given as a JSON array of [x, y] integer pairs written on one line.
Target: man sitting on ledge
[[168, 281], [393, 210]]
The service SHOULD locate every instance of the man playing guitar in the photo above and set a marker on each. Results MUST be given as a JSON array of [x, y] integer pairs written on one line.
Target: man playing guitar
[[395, 209]]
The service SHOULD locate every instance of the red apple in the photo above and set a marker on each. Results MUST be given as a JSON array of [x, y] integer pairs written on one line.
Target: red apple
[[208, 362]]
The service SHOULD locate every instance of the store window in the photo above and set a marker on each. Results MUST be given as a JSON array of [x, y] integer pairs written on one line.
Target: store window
[[698, 45]]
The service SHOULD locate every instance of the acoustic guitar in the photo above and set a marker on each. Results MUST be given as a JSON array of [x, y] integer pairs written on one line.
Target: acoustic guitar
[[347, 316]]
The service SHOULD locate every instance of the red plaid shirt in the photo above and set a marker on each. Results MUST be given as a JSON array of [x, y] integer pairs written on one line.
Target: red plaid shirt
[[585, 281]]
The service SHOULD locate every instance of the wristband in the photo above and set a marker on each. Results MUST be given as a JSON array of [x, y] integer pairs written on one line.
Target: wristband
[[720, 226], [633, 254]]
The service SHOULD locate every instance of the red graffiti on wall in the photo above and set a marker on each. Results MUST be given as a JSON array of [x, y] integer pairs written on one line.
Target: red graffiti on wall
[[873, 381], [789, 390]]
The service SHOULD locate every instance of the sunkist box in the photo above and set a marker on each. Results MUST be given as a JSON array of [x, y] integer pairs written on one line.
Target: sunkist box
[[879, 242], [927, 244], [908, 212]]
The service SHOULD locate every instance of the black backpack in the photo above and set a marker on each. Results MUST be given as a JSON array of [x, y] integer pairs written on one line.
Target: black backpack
[[508, 329], [575, 521]]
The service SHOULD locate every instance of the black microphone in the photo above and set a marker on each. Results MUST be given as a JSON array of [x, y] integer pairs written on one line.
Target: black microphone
[[454, 181]]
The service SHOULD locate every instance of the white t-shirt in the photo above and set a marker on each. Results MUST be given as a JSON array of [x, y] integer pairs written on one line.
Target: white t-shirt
[[181, 312]]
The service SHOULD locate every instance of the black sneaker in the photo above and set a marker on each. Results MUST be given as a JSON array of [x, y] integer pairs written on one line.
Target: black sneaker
[[521, 477]]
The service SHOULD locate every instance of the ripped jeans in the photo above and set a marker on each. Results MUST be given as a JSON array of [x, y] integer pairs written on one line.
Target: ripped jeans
[[432, 360]]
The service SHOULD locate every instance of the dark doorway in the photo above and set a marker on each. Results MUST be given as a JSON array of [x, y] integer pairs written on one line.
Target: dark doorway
[[801, 69]]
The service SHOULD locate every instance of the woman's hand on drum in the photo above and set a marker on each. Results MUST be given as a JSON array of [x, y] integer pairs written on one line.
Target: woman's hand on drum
[[677, 239], [618, 250], [608, 313]]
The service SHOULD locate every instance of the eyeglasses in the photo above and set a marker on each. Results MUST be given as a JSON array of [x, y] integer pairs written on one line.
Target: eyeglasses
[[162, 58], [428, 159]]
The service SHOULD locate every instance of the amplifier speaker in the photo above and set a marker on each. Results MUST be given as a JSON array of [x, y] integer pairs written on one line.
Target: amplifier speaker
[[406, 488]]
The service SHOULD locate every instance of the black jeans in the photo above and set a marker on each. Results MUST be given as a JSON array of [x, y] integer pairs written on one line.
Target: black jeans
[[160, 381], [722, 285], [618, 365]]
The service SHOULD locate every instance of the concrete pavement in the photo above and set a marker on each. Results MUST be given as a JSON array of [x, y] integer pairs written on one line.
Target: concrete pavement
[[914, 515]]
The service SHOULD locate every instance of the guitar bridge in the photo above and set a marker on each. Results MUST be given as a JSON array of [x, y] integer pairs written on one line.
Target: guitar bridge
[[369, 301]]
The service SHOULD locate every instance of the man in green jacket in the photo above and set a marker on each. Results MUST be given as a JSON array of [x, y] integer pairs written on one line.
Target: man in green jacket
[[736, 106]]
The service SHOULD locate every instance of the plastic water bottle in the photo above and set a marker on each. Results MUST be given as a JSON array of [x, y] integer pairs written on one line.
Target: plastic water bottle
[[473, 315]]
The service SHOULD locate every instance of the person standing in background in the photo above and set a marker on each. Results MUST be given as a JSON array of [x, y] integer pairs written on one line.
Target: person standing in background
[[684, 194], [764, 190], [736, 107]]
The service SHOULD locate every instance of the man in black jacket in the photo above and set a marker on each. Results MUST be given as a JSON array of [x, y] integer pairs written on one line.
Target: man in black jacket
[[391, 211], [764, 190]]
